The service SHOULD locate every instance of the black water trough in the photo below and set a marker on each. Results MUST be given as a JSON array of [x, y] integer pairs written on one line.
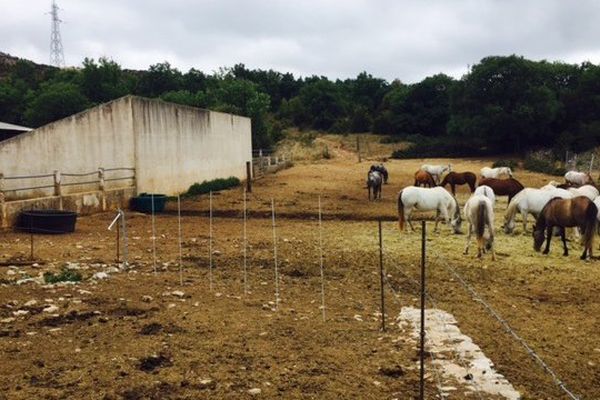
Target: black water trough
[[47, 221]]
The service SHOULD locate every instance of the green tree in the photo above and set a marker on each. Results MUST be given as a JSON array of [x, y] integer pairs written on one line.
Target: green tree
[[104, 81], [54, 101]]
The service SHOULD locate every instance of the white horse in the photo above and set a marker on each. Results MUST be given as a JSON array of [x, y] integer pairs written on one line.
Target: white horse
[[588, 191], [436, 171], [479, 211], [374, 181], [495, 173], [530, 201], [428, 199], [578, 178], [486, 191]]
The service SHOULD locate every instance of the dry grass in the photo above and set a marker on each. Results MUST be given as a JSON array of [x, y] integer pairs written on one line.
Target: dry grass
[[551, 301]]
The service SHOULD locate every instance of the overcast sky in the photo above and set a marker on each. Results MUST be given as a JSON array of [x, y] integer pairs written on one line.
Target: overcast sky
[[392, 39]]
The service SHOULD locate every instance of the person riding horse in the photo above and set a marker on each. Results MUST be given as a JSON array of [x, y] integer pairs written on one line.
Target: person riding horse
[[382, 170]]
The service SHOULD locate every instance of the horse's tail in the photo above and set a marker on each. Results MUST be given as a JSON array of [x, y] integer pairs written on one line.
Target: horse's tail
[[400, 211], [591, 223], [481, 219]]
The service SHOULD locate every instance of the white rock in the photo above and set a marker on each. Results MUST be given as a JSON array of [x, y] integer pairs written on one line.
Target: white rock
[[147, 299], [30, 303], [255, 391], [20, 312], [11, 272], [51, 309], [7, 320], [100, 275], [178, 293]]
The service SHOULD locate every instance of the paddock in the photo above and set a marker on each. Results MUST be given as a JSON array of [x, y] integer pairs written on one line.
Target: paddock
[[141, 334]]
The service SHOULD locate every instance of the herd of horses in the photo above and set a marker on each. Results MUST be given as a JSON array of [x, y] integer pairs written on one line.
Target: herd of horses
[[555, 206]]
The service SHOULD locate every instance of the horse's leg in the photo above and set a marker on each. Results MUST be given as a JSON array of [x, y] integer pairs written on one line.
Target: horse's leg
[[408, 219], [548, 238], [437, 219], [453, 189], [564, 240], [468, 238], [524, 217]]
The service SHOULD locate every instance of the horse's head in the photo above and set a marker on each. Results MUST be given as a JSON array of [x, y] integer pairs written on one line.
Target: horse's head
[[509, 225], [538, 238], [456, 221]]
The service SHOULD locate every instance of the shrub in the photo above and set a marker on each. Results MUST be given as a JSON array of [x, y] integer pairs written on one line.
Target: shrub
[[212, 186], [66, 275], [426, 147], [326, 153], [542, 161], [512, 164]]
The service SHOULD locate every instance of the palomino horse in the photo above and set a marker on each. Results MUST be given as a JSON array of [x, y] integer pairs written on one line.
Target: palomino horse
[[503, 187], [436, 171], [487, 192], [428, 199], [374, 182], [530, 201], [576, 178], [487, 172], [578, 212], [479, 212], [382, 170], [424, 178], [460, 178]]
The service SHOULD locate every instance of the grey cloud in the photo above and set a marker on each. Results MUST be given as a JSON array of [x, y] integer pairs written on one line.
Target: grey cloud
[[407, 40]]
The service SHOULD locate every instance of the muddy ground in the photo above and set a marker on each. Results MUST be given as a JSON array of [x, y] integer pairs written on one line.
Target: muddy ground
[[139, 334]]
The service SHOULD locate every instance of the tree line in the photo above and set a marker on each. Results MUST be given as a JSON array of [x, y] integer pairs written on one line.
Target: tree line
[[503, 104]]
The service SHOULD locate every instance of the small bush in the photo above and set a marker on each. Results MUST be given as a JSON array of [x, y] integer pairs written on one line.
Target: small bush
[[66, 275], [326, 153], [426, 147], [391, 139], [212, 186], [512, 164], [542, 161]]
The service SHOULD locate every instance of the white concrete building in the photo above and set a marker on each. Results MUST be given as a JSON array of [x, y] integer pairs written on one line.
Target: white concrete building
[[169, 146]]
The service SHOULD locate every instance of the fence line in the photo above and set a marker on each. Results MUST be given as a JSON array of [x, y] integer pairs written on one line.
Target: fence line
[[510, 331], [57, 180]]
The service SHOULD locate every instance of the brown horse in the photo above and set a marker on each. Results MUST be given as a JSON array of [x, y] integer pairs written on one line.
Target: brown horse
[[578, 212], [460, 178], [503, 187], [424, 178]]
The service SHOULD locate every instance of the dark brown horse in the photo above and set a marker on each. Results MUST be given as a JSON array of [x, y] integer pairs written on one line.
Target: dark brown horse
[[503, 187], [424, 178], [578, 212], [460, 178]]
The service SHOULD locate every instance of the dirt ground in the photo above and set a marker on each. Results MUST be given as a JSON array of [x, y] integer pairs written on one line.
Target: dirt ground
[[139, 334]]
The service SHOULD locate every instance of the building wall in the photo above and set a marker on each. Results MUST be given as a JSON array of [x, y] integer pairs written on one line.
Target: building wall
[[177, 146], [99, 137], [171, 147]]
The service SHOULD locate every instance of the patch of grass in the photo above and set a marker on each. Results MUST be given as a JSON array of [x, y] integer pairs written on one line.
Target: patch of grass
[[66, 275], [543, 161], [212, 186]]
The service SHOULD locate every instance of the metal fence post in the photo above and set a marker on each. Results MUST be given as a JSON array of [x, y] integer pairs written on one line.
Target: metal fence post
[[249, 176], [2, 201], [422, 344]]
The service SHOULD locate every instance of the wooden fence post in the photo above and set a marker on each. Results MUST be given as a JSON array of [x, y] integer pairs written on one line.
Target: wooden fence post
[[102, 188], [58, 188], [2, 202]]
